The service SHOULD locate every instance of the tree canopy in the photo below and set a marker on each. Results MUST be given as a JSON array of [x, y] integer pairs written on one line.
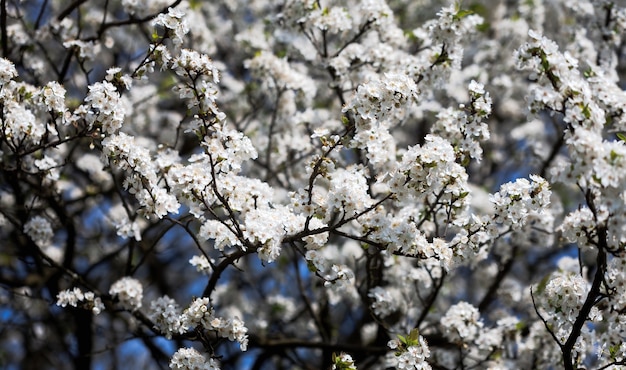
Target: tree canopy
[[301, 184]]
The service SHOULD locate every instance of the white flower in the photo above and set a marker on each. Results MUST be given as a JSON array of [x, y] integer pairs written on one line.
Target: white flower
[[384, 301], [191, 359], [70, 297], [476, 88], [106, 106], [166, 315], [333, 20], [268, 226], [129, 292], [343, 361], [462, 321], [158, 201], [516, 201], [7, 71], [123, 225], [21, 124], [411, 355], [87, 50], [174, 20], [376, 11], [49, 166], [54, 97], [202, 264], [193, 61], [39, 230], [348, 192], [198, 313], [75, 296]]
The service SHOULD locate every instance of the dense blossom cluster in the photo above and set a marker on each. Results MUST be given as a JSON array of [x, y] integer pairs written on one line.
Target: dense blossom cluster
[[313, 184], [191, 359], [128, 291], [410, 352], [77, 298]]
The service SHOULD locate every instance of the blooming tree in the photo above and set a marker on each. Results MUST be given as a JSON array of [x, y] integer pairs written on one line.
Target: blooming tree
[[303, 184]]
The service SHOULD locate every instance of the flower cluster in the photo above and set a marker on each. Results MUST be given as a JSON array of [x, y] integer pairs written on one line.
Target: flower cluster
[[202, 264], [375, 105], [430, 172], [166, 315], [128, 291], [444, 35], [124, 227], [228, 149], [142, 181], [339, 279], [347, 193], [191, 359], [86, 50], [567, 92], [39, 230], [465, 128], [333, 172], [20, 124], [462, 322], [105, 107], [516, 201], [411, 352], [7, 71], [334, 20], [201, 93], [561, 301], [175, 24], [53, 95], [75, 297], [343, 361], [200, 313], [385, 301]]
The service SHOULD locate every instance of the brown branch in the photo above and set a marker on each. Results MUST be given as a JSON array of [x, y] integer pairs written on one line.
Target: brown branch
[[3, 28], [590, 301], [220, 268], [594, 293]]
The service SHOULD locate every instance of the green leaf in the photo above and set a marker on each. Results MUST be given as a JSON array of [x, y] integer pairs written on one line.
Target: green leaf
[[483, 27], [621, 136], [586, 111], [402, 338], [463, 13], [614, 155]]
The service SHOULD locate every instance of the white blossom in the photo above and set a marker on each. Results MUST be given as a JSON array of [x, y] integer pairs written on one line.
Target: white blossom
[[7, 71], [462, 321], [129, 291], [166, 314], [39, 230], [75, 297], [202, 264], [175, 22], [191, 359]]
